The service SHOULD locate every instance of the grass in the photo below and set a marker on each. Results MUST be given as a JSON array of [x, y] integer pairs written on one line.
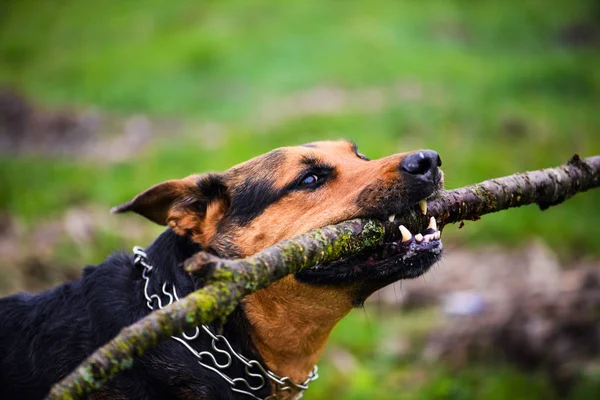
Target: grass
[[493, 86], [221, 57]]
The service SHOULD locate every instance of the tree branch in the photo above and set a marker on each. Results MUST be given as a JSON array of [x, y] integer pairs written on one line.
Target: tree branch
[[545, 187], [228, 281]]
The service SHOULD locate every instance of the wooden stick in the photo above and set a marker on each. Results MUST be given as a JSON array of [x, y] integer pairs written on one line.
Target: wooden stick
[[228, 281]]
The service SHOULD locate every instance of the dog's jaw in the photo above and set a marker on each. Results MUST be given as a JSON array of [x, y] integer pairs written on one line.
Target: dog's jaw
[[401, 256]]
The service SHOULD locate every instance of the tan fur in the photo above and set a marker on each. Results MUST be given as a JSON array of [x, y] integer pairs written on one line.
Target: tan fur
[[214, 213], [289, 332]]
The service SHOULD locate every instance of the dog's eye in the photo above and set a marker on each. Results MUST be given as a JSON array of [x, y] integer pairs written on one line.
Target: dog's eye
[[314, 177], [309, 180]]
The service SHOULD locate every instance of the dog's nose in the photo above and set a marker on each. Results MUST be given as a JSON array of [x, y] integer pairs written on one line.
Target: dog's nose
[[422, 162]]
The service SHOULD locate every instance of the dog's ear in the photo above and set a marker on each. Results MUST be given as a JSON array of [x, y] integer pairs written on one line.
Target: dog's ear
[[186, 205]]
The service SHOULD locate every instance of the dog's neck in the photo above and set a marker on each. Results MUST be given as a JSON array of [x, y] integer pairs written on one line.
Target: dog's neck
[[291, 322]]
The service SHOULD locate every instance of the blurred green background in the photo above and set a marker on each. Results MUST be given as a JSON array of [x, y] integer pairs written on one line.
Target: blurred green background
[[152, 90]]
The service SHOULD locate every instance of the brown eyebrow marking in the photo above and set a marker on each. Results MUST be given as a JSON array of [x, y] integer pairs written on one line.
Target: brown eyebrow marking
[[310, 159]]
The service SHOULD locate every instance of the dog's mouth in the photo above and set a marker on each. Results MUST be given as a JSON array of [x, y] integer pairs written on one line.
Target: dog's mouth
[[403, 255]]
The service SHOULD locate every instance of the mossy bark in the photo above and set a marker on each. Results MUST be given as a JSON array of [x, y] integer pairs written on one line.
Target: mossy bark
[[228, 281], [545, 187]]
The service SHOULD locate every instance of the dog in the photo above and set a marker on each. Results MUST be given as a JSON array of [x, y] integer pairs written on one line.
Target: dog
[[270, 344]]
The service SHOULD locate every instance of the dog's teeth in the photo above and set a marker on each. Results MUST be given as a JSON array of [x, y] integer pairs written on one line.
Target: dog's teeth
[[392, 217], [437, 235], [429, 237], [406, 235], [419, 237], [423, 206], [432, 224]]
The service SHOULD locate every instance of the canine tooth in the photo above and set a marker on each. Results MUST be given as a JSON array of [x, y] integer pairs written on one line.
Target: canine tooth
[[429, 237], [419, 237], [437, 235], [423, 206], [406, 235], [392, 217], [432, 224]]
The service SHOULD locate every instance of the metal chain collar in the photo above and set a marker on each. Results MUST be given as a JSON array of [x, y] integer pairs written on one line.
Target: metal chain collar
[[253, 368]]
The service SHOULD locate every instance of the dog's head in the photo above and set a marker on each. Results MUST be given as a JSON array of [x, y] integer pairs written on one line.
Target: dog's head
[[293, 190], [290, 191]]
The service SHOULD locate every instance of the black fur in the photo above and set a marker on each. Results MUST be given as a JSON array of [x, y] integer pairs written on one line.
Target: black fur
[[211, 187], [251, 199], [252, 196], [44, 337]]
